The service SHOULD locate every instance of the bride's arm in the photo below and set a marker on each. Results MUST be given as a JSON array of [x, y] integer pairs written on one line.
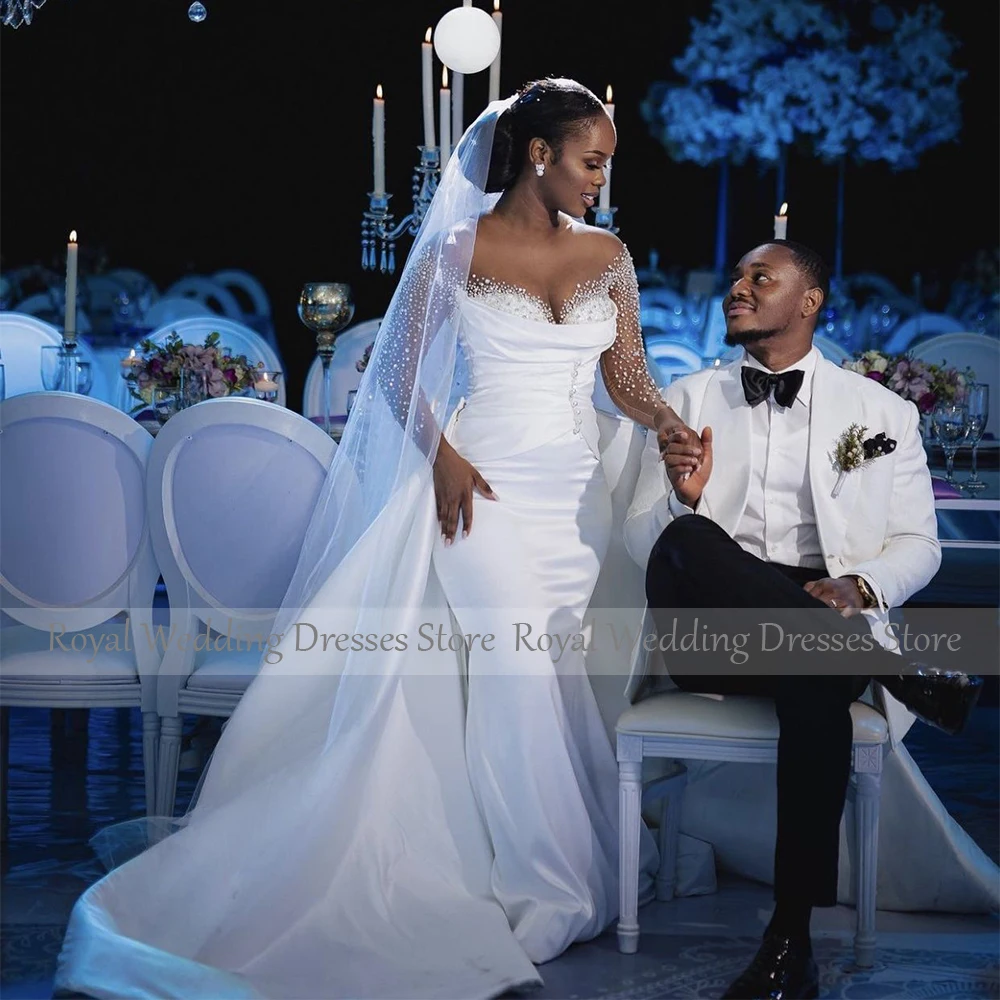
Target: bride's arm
[[623, 364]]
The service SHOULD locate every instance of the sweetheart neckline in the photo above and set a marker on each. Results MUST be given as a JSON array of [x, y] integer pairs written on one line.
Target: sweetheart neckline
[[479, 300]]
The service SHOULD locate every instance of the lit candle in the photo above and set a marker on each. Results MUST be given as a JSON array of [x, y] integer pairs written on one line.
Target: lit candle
[[129, 363], [604, 199], [427, 82], [69, 319], [378, 141], [494, 94], [781, 222], [444, 109], [266, 383]]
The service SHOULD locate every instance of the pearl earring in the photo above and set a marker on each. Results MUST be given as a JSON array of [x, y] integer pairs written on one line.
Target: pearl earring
[[539, 169]]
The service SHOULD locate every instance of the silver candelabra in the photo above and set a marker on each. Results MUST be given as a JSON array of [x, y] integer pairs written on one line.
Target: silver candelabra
[[379, 234]]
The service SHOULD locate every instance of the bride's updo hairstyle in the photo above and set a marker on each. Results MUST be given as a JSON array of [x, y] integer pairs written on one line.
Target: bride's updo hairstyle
[[552, 109]]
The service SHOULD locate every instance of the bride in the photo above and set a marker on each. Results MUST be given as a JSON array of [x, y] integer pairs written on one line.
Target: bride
[[426, 819]]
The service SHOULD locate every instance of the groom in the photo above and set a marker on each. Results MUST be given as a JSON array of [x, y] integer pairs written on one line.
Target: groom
[[758, 514]]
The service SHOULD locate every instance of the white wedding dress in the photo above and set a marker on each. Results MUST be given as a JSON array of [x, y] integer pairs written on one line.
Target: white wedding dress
[[462, 826]]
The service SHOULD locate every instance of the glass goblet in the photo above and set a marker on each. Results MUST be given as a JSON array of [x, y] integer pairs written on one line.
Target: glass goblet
[[326, 307], [950, 423], [977, 402], [84, 377], [51, 367]]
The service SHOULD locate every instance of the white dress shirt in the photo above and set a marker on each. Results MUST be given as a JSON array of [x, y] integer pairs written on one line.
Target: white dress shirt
[[778, 523]]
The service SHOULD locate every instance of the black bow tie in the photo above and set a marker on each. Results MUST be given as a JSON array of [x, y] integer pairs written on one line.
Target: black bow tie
[[758, 385]]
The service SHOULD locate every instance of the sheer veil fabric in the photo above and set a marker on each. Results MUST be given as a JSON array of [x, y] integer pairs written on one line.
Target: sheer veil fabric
[[336, 848]]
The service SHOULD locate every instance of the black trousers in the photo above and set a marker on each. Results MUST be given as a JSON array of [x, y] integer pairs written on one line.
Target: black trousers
[[696, 565]]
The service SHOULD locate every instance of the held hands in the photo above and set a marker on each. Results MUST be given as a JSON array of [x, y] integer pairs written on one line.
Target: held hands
[[688, 459], [454, 481], [841, 593]]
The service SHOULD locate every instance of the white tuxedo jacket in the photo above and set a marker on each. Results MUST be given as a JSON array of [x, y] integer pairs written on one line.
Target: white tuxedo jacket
[[882, 523]]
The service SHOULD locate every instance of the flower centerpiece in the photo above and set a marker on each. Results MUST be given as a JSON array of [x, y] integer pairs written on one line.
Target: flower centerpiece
[[921, 382], [362, 363], [191, 371]]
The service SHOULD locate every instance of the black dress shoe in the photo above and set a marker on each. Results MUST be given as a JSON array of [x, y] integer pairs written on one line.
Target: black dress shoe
[[781, 970], [941, 698]]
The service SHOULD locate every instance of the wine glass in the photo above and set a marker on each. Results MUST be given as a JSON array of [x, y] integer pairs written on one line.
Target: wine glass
[[326, 307], [84, 377], [52, 366], [977, 402], [3, 383], [950, 422]]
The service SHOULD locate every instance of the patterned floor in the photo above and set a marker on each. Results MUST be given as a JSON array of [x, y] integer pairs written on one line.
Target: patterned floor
[[67, 782]]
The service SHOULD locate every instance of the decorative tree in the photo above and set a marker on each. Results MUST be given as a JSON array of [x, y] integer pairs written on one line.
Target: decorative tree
[[733, 102], [761, 75], [903, 100]]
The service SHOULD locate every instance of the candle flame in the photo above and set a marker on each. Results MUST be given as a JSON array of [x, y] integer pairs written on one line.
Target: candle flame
[[444, 76], [378, 92], [427, 37], [72, 236], [131, 354], [610, 93], [784, 208]]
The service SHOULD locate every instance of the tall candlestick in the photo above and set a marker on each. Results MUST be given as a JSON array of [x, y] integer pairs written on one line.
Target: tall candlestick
[[781, 223], [494, 93], [378, 141], [427, 57], [604, 199], [69, 319], [444, 108]]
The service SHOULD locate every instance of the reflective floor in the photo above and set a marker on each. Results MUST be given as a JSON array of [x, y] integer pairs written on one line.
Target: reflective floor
[[71, 773]]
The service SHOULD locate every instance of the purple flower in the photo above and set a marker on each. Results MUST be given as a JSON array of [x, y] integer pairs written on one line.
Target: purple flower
[[926, 402], [875, 376]]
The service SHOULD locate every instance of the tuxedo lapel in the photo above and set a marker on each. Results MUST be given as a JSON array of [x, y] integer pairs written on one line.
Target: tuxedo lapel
[[835, 405], [727, 412]]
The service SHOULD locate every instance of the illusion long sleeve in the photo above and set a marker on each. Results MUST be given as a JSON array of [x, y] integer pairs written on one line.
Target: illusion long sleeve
[[623, 364]]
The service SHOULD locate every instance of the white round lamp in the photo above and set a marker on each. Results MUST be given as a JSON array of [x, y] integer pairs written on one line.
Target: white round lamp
[[466, 40]]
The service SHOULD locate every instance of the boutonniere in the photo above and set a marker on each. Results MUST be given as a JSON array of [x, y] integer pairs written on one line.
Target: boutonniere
[[855, 450]]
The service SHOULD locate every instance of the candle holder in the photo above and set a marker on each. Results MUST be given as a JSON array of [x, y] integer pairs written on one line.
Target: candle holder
[[326, 307], [379, 234], [605, 219]]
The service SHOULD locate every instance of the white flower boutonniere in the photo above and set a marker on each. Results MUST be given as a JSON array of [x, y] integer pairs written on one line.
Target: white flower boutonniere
[[854, 450]]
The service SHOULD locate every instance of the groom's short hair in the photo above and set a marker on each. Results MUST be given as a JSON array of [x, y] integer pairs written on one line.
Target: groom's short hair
[[815, 270]]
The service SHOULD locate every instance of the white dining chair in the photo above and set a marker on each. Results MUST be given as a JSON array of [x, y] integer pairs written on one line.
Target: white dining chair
[[253, 300], [231, 488], [673, 357], [172, 309], [912, 331], [206, 291], [237, 336], [344, 374], [22, 338], [49, 308], [977, 351], [682, 726], [75, 553]]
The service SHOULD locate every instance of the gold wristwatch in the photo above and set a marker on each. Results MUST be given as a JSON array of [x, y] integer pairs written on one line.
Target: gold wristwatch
[[867, 594]]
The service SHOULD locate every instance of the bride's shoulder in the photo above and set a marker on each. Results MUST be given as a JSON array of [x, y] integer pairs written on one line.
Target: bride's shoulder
[[603, 247]]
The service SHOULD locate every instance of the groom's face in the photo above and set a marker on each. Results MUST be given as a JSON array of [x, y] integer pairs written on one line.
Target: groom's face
[[765, 295]]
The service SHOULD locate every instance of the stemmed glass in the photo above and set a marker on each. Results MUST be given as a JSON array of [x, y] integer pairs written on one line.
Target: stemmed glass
[[326, 307], [977, 402], [950, 422], [52, 366]]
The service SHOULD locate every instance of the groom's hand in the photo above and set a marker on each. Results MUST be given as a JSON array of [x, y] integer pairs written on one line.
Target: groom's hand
[[841, 593], [688, 459]]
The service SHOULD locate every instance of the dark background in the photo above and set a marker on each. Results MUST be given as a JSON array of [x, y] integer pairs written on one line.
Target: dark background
[[244, 141]]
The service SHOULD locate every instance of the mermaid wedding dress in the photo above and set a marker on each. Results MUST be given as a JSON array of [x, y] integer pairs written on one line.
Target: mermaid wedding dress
[[462, 826]]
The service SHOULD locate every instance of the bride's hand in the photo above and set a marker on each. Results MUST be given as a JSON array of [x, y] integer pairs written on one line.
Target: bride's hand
[[670, 429], [454, 481]]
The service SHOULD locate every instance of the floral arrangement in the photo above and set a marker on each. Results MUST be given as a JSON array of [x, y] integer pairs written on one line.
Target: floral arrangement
[[174, 364], [362, 363], [922, 383]]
